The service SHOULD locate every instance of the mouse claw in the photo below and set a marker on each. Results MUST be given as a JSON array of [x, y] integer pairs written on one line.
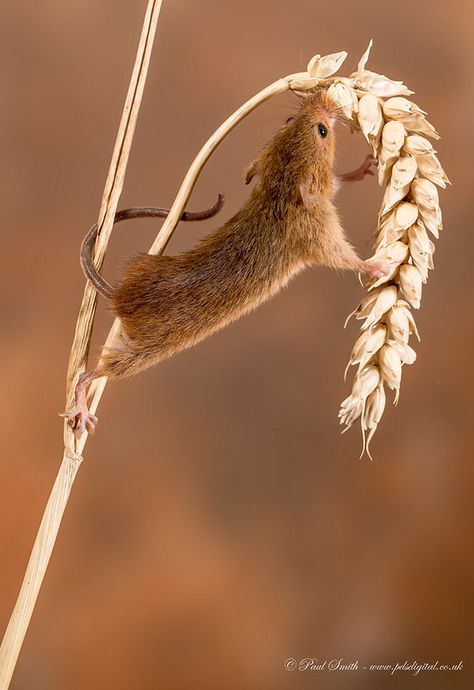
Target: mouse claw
[[365, 169], [367, 166], [81, 420], [91, 423]]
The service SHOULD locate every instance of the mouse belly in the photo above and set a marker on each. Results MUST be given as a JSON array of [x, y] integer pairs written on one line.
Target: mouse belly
[[165, 307]]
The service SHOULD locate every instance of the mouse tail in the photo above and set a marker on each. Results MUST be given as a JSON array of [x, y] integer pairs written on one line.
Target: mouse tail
[[87, 262], [88, 246]]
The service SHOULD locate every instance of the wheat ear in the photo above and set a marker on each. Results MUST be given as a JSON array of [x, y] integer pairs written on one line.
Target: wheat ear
[[407, 163]]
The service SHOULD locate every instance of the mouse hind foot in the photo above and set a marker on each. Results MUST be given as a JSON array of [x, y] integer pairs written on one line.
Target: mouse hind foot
[[79, 417], [116, 362]]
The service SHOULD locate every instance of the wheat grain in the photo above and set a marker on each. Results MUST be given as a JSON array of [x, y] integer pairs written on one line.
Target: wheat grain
[[393, 127]]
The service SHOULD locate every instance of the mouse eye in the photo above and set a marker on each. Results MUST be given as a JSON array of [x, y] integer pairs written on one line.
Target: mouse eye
[[322, 130]]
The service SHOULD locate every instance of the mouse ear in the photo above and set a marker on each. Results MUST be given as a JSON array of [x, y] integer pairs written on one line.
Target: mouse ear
[[252, 170], [308, 191]]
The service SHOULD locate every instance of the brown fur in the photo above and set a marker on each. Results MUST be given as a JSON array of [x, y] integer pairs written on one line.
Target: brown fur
[[167, 304]]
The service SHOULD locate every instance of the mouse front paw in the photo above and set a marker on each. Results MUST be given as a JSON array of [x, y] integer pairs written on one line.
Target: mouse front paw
[[378, 269]]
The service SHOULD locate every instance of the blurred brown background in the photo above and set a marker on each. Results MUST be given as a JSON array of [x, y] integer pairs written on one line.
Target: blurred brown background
[[220, 523]]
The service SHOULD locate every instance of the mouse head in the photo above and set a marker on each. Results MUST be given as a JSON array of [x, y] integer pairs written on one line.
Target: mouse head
[[316, 117], [299, 160]]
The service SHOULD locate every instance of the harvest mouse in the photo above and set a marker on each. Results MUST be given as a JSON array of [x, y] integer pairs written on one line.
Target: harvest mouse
[[168, 303]]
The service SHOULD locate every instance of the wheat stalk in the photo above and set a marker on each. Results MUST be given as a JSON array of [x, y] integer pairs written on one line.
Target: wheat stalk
[[48, 530]]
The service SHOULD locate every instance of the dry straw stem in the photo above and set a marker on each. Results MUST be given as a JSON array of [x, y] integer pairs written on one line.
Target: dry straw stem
[[46, 537]]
